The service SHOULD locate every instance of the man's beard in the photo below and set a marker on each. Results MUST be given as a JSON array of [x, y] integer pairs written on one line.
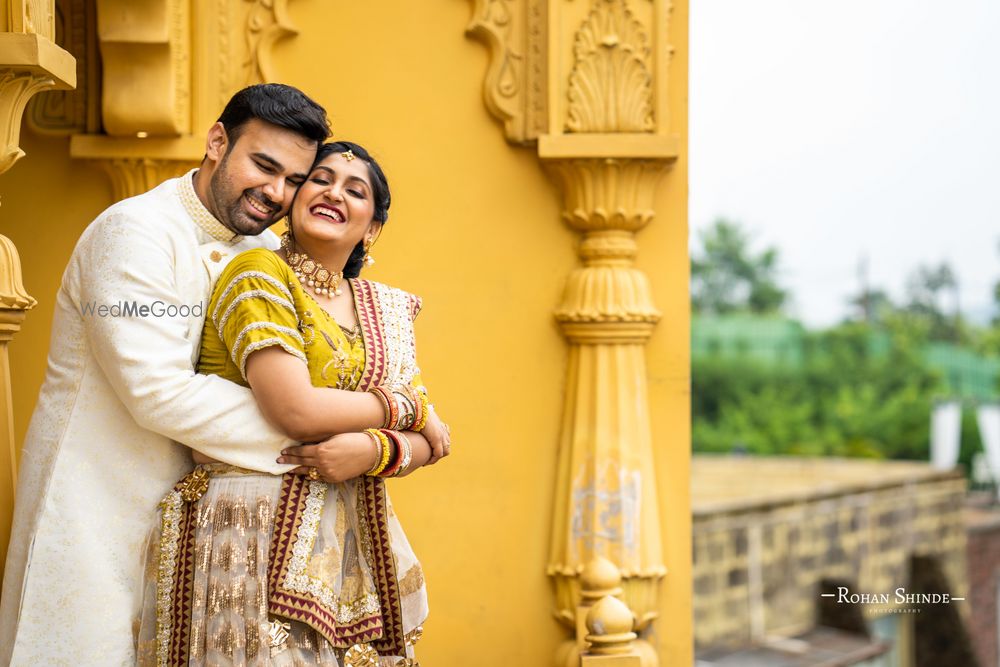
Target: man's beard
[[233, 215]]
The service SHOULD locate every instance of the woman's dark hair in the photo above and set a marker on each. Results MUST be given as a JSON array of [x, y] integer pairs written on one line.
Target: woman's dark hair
[[380, 195], [279, 105]]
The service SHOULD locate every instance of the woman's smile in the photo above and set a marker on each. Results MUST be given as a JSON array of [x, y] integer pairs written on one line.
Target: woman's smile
[[332, 213]]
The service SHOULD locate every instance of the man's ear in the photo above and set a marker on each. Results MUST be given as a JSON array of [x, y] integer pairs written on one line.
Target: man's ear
[[217, 143]]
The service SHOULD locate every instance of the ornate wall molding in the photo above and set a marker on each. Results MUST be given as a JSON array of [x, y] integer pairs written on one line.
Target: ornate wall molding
[[611, 85], [16, 88], [66, 112], [29, 64], [201, 53], [266, 23], [30, 17], [132, 176], [12, 292], [514, 86], [146, 70]]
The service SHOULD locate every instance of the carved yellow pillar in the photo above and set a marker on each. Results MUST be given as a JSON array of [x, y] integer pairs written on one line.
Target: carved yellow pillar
[[14, 304], [586, 82], [30, 62], [606, 502]]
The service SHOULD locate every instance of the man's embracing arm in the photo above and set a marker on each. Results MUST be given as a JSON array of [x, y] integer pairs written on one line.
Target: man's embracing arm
[[147, 360]]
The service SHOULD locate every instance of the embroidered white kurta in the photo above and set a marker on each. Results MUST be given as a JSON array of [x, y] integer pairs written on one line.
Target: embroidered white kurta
[[119, 393]]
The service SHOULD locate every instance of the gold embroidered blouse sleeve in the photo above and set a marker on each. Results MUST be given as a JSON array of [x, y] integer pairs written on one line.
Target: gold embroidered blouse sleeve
[[251, 309]]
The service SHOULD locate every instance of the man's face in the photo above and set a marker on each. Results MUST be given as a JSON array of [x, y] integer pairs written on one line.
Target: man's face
[[256, 178]]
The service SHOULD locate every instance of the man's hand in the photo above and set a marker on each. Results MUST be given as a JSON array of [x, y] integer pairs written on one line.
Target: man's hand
[[342, 457], [438, 437]]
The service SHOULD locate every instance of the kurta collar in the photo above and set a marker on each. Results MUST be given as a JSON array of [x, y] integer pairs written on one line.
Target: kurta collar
[[201, 215]]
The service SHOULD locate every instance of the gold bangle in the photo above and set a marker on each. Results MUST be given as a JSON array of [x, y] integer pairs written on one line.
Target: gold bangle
[[378, 451]]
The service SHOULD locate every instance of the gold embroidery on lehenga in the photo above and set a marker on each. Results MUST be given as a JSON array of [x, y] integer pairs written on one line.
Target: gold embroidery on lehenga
[[224, 557], [170, 509], [361, 655], [277, 635], [413, 580], [364, 533], [324, 564], [253, 641], [194, 485], [197, 642], [224, 641], [414, 635], [296, 578]]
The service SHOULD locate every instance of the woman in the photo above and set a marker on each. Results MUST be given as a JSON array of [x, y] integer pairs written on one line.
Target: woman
[[257, 569]]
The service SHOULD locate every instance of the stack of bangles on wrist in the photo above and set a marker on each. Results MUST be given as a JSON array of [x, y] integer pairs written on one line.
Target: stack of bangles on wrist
[[406, 408], [392, 452]]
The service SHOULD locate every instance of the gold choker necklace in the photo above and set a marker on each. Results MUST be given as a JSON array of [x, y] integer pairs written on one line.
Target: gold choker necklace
[[311, 273]]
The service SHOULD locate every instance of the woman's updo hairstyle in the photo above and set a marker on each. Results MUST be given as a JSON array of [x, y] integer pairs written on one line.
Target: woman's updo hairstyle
[[380, 195]]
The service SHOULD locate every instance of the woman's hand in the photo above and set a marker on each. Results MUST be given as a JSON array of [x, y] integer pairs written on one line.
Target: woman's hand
[[338, 459], [438, 436]]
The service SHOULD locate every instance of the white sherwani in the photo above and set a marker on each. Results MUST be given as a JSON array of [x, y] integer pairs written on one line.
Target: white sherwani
[[100, 450]]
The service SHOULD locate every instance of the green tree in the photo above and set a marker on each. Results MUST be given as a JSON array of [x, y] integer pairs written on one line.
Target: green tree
[[927, 288], [728, 276], [861, 391]]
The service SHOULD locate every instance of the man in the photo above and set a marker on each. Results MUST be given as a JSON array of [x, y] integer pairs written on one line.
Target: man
[[121, 387]]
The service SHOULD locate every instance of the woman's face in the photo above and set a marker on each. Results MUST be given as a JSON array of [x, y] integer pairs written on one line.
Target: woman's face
[[335, 205]]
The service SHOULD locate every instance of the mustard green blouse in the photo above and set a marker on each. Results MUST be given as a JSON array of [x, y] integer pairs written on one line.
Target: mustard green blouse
[[257, 303]]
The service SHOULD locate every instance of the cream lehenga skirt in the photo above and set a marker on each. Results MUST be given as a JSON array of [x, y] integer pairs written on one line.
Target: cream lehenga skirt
[[206, 596]]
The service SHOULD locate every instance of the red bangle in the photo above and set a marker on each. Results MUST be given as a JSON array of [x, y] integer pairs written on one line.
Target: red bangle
[[397, 454]]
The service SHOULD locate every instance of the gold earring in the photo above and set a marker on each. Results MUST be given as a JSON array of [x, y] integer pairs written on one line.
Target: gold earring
[[368, 259], [288, 238]]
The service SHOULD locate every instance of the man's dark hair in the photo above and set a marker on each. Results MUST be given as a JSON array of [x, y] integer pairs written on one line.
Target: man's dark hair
[[279, 105]]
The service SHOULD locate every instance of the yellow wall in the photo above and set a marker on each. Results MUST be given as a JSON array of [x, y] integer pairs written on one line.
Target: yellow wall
[[663, 255], [474, 228]]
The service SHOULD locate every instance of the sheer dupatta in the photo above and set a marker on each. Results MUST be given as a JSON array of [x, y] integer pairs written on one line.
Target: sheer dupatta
[[386, 317]]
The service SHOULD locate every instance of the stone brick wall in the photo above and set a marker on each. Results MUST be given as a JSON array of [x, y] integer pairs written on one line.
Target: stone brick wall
[[983, 534], [758, 562]]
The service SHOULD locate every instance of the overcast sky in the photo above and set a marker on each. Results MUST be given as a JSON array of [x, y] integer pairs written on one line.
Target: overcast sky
[[850, 129]]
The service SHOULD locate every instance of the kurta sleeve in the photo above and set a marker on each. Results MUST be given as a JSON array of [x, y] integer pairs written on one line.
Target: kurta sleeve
[[252, 308], [147, 361]]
